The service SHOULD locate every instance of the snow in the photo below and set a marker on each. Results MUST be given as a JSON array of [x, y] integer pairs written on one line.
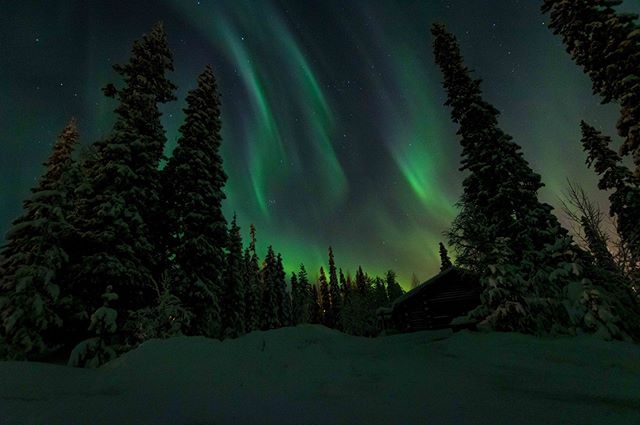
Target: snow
[[313, 375]]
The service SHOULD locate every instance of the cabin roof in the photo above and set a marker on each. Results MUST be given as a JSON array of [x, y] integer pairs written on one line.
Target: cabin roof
[[450, 272]]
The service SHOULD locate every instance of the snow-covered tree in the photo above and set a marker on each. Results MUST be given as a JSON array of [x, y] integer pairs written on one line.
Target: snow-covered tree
[[167, 318], [325, 298], [526, 260], [117, 206], [334, 292], [284, 299], [33, 299], [233, 306], [98, 350], [252, 279], [193, 182], [606, 43], [271, 300], [624, 186]]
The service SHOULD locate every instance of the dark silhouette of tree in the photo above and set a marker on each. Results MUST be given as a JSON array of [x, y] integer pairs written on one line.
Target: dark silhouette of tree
[[334, 292], [33, 299], [233, 300], [526, 260], [271, 296], [193, 181], [394, 290], [119, 204], [616, 177], [606, 44], [445, 261], [325, 300], [284, 299], [252, 278]]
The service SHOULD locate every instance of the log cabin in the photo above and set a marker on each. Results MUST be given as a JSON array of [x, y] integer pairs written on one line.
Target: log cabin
[[433, 304]]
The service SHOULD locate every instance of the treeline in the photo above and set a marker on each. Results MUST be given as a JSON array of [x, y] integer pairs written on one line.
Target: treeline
[[534, 277], [112, 250]]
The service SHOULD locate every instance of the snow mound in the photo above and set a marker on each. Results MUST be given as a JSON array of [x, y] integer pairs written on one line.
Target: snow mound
[[313, 375]]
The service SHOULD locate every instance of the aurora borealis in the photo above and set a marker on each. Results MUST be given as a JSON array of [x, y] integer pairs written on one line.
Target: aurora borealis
[[335, 132]]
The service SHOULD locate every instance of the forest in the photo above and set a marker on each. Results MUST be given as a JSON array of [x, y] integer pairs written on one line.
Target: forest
[[118, 245]]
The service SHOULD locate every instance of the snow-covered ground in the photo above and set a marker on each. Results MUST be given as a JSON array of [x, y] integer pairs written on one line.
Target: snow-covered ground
[[313, 375]]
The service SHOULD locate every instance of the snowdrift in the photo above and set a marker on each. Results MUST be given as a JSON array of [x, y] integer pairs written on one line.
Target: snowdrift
[[314, 375]]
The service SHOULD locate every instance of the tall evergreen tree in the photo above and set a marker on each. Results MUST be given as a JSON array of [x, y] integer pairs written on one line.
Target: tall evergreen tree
[[616, 177], [193, 182], [233, 300], [380, 297], [297, 301], [119, 206], [307, 300], [253, 295], [445, 261], [334, 292], [271, 297], [325, 300], [315, 310], [32, 296], [284, 299], [526, 260], [606, 43], [394, 290]]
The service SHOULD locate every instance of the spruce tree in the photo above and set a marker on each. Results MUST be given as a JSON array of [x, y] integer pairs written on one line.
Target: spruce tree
[[606, 43], [193, 182], [305, 301], [284, 299], [33, 298], [253, 295], [325, 300], [233, 305], [315, 307], [380, 296], [271, 299], [445, 261], [394, 290], [503, 229], [118, 208], [334, 291], [616, 177], [296, 300]]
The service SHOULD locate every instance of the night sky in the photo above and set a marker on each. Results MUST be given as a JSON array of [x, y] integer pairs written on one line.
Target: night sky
[[334, 131]]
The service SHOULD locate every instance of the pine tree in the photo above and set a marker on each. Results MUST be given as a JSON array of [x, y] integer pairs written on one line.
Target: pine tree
[[33, 299], [233, 305], [502, 216], [334, 292], [606, 44], [296, 301], [271, 299], [394, 290], [98, 350], [380, 297], [361, 281], [325, 300], [445, 261], [284, 299], [193, 181], [315, 310], [306, 300], [616, 177], [118, 207], [253, 294]]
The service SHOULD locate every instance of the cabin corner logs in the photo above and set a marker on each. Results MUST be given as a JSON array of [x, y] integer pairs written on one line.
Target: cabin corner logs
[[433, 304]]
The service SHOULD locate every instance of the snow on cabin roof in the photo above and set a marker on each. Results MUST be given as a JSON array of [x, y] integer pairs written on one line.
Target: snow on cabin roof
[[418, 289]]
